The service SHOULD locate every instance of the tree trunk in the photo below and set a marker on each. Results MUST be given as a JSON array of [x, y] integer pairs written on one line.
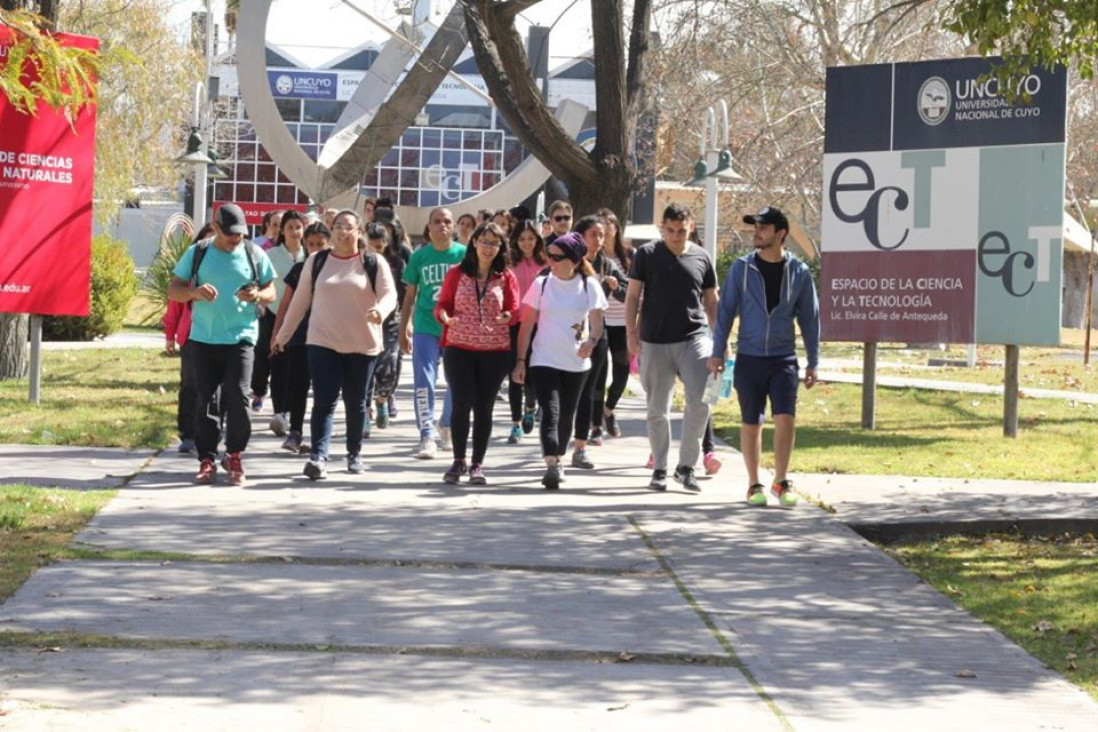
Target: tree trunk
[[14, 331]]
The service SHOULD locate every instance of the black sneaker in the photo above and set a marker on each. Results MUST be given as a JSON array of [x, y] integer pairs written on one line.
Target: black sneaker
[[552, 478], [685, 475], [612, 427], [659, 480], [453, 475]]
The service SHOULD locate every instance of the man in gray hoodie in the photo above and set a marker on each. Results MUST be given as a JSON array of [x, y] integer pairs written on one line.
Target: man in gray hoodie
[[768, 288]]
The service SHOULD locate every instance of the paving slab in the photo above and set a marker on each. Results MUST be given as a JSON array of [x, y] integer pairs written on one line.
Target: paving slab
[[359, 606], [70, 467], [292, 692], [903, 505]]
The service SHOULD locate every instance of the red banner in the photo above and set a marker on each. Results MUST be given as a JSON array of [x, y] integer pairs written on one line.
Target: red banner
[[46, 176], [254, 212]]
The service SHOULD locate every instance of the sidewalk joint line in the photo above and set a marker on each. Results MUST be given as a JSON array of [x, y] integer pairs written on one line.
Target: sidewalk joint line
[[78, 553], [707, 620], [32, 640]]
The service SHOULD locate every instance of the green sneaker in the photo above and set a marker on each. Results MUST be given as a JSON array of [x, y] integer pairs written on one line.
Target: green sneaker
[[783, 491], [756, 495]]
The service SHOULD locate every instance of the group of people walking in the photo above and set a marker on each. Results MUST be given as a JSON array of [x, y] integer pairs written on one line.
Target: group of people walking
[[558, 309]]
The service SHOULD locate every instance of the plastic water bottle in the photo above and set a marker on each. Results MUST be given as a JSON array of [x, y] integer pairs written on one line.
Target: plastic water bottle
[[726, 378], [712, 393]]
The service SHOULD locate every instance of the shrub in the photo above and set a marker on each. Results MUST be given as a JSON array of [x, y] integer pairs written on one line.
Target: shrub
[[113, 285], [173, 243]]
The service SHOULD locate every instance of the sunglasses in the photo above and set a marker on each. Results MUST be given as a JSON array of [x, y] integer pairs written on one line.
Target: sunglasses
[[558, 257], [565, 217]]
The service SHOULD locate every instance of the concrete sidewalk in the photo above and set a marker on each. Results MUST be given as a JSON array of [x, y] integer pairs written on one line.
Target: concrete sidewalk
[[393, 601]]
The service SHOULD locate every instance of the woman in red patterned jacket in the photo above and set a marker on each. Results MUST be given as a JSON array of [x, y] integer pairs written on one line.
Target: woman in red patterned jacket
[[478, 302]]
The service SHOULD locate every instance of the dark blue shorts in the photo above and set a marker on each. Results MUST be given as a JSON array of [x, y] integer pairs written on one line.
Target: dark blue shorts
[[758, 377]]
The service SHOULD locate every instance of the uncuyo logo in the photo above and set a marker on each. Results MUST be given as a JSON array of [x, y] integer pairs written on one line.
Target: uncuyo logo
[[284, 84], [934, 100]]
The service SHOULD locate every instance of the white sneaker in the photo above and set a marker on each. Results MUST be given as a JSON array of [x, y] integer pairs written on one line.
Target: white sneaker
[[427, 449], [445, 439], [279, 425]]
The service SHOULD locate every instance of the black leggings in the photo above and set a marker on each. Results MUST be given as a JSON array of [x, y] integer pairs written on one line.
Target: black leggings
[[618, 366], [261, 373], [558, 394], [297, 379], [473, 378], [515, 392], [585, 409]]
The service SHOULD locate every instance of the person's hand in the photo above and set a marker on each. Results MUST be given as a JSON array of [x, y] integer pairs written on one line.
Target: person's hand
[[518, 373], [248, 293], [810, 378], [715, 365], [634, 345], [276, 347], [206, 293], [612, 282], [169, 347], [406, 342], [504, 318], [373, 315], [585, 348]]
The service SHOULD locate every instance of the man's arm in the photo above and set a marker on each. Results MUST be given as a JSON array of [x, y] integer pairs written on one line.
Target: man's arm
[[406, 317], [808, 318], [181, 291], [632, 313]]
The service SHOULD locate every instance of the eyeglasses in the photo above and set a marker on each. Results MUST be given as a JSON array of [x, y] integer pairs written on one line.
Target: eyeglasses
[[489, 244], [563, 217], [558, 257]]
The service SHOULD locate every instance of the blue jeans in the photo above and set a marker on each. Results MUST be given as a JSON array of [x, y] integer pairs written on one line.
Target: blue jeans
[[332, 372], [425, 357]]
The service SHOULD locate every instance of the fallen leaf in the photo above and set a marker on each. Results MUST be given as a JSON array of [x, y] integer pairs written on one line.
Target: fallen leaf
[[49, 649], [625, 656], [965, 674], [617, 709], [1043, 626]]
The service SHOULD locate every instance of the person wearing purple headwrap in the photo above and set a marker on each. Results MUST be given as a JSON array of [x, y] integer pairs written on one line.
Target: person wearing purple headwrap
[[566, 305]]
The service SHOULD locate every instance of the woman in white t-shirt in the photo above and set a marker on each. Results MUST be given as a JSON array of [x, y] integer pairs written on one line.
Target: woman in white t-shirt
[[566, 305]]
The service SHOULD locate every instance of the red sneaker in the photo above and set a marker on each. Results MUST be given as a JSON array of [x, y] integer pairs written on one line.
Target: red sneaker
[[207, 472], [235, 468]]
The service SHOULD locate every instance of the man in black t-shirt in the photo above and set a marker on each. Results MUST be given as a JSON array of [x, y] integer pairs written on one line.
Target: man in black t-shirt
[[678, 283]]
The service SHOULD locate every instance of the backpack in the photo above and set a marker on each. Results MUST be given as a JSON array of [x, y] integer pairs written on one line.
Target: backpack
[[200, 254], [369, 261]]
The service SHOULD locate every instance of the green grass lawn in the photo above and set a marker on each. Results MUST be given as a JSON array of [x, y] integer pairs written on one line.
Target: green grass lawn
[[96, 397], [929, 433], [36, 526], [1040, 593], [1039, 367]]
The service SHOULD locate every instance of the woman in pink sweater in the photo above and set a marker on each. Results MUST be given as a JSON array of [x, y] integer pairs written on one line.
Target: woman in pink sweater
[[350, 294], [478, 302]]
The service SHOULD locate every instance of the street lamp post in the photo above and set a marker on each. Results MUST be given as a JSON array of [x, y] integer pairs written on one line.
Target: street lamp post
[[714, 163], [196, 156]]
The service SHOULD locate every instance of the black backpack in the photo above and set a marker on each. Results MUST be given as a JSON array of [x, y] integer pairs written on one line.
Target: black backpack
[[369, 261]]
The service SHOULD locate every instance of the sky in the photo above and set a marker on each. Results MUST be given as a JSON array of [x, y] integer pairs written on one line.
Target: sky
[[315, 31]]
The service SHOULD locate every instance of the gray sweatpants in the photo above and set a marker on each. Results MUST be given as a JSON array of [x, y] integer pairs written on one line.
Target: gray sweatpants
[[660, 363]]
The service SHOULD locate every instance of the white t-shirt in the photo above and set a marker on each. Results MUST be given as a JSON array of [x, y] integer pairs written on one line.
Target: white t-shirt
[[562, 320]]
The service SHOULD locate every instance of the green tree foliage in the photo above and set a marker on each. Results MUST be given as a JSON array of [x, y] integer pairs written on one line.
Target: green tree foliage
[[65, 76], [1038, 32], [113, 285], [145, 94]]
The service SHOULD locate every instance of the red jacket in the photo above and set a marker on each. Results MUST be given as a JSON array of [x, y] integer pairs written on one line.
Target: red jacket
[[177, 322], [476, 312]]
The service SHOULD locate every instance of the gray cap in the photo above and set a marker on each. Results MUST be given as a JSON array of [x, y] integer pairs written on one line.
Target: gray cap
[[230, 218]]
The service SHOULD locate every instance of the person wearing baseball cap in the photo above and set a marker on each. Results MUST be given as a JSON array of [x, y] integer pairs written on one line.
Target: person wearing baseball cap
[[223, 279], [768, 289]]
